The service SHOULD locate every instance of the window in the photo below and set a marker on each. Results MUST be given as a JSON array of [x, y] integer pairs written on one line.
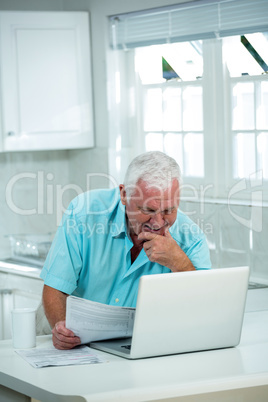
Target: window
[[172, 109], [171, 112], [247, 69], [203, 97]]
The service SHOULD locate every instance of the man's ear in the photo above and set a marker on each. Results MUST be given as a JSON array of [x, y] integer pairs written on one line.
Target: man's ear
[[123, 195]]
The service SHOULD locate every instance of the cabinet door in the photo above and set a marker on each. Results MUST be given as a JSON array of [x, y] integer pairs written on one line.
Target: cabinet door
[[46, 91]]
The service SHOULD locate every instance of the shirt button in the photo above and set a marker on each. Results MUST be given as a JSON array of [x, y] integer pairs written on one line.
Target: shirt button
[[116, 300]]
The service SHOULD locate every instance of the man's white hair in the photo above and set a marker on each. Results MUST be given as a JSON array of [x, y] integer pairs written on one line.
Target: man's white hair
[[155, 168]]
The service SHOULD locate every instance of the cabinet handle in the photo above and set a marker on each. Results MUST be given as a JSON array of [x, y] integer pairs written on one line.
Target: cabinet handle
[[11, 133]]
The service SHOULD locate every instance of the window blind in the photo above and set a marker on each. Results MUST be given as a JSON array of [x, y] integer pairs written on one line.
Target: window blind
[[188, 21]]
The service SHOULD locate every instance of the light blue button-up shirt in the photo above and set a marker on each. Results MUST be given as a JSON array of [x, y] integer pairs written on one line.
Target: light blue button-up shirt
[[90, 254]]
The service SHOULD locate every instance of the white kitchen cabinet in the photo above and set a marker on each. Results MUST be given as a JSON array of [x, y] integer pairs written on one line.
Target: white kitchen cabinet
[[46, 88]]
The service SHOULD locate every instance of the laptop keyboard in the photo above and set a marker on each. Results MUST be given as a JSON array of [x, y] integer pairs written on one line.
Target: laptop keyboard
[[126, 347]]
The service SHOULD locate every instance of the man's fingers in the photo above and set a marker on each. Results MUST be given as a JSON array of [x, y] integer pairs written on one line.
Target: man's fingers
[[60, 328], [146, 245], [147, 236], [64, 338], [65, 343]]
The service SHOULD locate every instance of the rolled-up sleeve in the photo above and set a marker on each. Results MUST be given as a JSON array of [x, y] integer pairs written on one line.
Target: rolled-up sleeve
[[64, 261]]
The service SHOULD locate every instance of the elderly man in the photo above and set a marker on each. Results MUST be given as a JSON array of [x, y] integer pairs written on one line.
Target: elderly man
[[108, 239]]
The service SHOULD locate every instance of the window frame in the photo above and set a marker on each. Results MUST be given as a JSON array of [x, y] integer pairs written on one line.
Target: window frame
[[218, 180], [251, 184]]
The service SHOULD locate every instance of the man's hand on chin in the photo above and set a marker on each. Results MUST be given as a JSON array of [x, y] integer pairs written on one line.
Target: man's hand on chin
[[165, 251]]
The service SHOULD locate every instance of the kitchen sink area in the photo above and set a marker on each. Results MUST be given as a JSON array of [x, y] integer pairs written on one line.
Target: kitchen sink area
[[20, 284]]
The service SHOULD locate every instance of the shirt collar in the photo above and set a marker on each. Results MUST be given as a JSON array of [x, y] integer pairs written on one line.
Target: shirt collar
[[119, 221]]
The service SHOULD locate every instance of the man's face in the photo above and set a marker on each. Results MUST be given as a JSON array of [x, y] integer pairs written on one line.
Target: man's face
[[151, 209]]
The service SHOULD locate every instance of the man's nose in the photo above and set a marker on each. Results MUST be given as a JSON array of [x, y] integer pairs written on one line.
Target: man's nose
[[158, 219]]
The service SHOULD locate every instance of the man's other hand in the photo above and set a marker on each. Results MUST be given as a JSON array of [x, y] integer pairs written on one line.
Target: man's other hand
[[64, 338]]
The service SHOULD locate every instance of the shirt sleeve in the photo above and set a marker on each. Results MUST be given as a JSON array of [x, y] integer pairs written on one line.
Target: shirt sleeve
[[199, 254], [64, 261], [192, 241]]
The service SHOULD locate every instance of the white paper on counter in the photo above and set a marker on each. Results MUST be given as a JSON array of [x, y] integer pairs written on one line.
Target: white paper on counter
[[93, 321], [53, 357]]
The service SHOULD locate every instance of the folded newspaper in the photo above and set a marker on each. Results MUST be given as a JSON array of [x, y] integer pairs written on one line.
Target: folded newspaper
[[93, 321], [45, 357]]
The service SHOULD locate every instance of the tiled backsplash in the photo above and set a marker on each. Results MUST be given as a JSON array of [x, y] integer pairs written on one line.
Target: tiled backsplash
[[38, 186], [237, 235]]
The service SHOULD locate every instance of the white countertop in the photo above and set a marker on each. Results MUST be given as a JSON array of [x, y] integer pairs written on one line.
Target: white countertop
[[257, 300], [244, 367]]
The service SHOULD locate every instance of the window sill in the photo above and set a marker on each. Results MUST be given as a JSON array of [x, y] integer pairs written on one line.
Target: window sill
[[224, 201]]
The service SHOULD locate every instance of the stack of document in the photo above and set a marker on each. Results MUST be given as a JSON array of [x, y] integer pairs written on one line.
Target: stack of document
[[93, 321]]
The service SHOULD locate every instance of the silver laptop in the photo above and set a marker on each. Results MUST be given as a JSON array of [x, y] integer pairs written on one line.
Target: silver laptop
[[185, 312]]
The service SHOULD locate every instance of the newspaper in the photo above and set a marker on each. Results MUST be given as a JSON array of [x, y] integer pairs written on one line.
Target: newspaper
[[45, 357], [93, 321]]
